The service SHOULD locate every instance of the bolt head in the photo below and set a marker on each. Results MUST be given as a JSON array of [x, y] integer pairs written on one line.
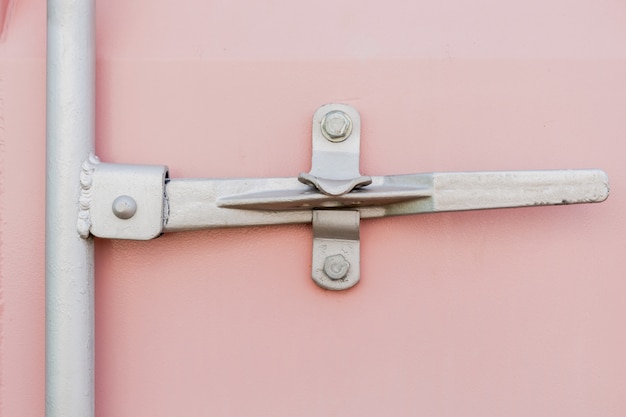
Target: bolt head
[[124, 207], [336, 267], [336, 126]]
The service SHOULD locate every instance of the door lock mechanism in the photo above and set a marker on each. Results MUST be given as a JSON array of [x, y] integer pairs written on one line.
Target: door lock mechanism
[[120, 201]]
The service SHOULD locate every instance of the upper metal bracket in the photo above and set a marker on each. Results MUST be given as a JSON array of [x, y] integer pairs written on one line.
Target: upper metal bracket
[[122, 201], [336, 151]]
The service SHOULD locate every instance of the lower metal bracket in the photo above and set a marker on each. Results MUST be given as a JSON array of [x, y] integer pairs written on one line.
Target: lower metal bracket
[[336, 248]]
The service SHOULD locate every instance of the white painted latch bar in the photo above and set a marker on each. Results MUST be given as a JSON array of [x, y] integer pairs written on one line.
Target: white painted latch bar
[[121, 201]]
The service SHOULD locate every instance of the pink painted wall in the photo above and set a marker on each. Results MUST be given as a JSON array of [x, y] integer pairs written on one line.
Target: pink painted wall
[[495, 313]]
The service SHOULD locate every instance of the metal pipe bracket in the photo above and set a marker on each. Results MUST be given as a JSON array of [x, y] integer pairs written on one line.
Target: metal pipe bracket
[[122, 201]]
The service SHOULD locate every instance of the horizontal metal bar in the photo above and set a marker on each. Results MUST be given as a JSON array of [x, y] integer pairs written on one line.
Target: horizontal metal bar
[[311, 198], [485, 190], [192, 203], [212, 203], [458, 191]]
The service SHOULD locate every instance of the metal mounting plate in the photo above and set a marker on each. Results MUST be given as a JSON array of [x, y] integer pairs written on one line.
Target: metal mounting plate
[[143, 184]]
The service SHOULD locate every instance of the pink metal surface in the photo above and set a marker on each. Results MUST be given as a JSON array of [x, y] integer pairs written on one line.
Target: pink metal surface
[[6, 7], [509, 312]]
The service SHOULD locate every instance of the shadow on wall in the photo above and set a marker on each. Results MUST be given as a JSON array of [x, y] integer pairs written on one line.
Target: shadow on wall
[[6, 9]]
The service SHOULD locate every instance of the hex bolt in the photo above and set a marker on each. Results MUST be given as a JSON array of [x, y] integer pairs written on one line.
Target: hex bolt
[[124, 207], [336, 267], [336, 126]]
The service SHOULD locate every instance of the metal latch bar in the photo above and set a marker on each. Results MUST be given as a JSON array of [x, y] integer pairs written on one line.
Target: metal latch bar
[[121, 201], [196, 204]]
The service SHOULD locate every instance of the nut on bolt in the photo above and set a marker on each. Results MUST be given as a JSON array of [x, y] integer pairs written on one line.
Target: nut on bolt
[[336, 126], [336, 267]]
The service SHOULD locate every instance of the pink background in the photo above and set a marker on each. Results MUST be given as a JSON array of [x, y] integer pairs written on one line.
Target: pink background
[[494, 313]]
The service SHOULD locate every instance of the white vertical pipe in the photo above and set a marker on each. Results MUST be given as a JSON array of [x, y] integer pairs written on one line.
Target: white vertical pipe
[[69, 258]]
